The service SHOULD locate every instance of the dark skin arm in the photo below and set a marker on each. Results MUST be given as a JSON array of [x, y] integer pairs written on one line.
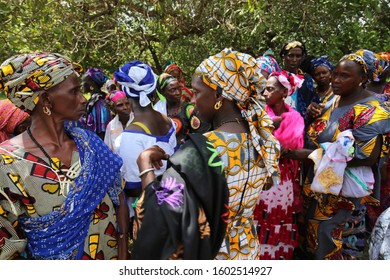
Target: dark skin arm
[[148, 158], [299, 154], [123, 230]]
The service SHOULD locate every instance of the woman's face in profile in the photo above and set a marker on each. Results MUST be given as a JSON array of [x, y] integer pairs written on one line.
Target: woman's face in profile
[[204, 99], [68, 103], [274, 92]]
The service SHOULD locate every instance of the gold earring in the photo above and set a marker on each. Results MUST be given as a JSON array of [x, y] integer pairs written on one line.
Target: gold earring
[[91, 88], [47, 110], [218, 105], [360, 84]]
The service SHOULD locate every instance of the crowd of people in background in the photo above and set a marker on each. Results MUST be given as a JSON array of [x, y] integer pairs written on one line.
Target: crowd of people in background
[[256, 159]]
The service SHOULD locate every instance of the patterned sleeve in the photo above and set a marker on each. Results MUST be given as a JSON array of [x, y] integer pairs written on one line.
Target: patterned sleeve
[[371, 120], [12, 243]]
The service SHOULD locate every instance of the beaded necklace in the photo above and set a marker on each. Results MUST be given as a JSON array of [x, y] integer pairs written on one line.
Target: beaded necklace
[[47, 155]]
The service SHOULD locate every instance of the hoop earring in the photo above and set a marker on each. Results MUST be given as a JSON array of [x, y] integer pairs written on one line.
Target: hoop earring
[[218, 105], [46, 110]]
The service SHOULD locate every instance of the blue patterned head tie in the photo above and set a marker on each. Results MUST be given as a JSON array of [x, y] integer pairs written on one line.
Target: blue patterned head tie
[[322, 61], [375, 64], [97, 75], [137, 79]]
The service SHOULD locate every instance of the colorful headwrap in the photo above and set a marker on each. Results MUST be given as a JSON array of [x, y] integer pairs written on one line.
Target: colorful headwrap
[[113, 96], [109, 83], [97, 75], [10, 117], [23, 76], [289, 80], [291, 45], [357, 59], [375, 64], [385, 55], [237, 77], [268, 64], [322, 61], [137, 80], [174, 67], [163, 80]]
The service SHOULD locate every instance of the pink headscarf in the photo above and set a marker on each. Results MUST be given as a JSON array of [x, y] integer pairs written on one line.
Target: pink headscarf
[[10, 117], [116, 94], [289, 80]]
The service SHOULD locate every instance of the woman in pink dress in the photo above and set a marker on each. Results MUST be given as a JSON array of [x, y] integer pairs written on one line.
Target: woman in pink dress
[[278, 206]]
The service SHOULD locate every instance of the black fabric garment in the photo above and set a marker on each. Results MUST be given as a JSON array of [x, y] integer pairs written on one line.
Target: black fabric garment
[[164, 227]]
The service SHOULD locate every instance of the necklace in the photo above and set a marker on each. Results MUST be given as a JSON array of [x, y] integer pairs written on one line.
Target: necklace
[[237, 120], [46, 154]]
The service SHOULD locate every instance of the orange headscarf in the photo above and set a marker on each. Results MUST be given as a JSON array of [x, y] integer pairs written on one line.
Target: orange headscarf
[[10, 118]]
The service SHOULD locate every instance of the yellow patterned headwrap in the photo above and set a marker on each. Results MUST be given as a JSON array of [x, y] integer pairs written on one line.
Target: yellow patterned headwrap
[[357, 59], [23, 76], [237, 77]]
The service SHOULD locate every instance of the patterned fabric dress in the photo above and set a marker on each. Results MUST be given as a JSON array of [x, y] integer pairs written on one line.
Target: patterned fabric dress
[[330, 214], [29, 188], [278, 207], [246, 176], [98, 115]]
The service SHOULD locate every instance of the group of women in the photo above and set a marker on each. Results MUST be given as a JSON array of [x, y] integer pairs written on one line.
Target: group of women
[[244, 166]]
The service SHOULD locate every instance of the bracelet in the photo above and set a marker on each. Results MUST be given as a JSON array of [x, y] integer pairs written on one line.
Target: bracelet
[[145, 171], [122, 234]]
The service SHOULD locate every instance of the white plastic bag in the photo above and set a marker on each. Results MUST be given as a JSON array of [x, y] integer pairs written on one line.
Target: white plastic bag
[[358, 181], [329, 166]]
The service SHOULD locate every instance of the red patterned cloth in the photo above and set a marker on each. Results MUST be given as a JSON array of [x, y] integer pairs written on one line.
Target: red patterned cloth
[[10, 118]]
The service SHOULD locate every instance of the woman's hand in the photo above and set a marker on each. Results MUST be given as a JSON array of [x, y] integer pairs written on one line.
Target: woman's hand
[[148, 160], [151, 157], [299, 154], [314, 110]]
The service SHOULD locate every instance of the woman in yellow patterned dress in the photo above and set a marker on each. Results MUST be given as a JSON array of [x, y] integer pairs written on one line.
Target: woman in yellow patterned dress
[[354, 109], [227, 93]]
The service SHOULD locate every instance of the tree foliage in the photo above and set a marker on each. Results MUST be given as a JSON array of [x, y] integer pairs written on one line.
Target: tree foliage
[[108, 33]]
